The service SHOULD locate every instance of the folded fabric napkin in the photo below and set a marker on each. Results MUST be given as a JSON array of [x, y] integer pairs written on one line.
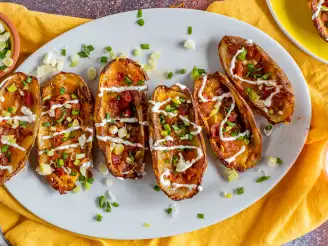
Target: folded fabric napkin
[[295, 206]]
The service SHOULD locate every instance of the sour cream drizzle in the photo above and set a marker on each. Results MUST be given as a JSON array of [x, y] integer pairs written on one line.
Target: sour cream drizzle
[[71, 129], [51, 111], [233, 158], [126, 120], [7, 142], [316, 13], [216, 98], [28, 116], [119, 140], [121, 89], [196, 132], [157, 105], [182, 87], [8, 168], [75, 145]]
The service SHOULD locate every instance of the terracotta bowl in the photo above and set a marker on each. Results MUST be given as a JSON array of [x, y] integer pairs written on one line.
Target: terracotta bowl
[[14, 40]]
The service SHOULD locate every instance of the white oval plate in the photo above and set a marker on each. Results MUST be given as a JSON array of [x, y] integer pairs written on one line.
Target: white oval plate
[[165, 30]]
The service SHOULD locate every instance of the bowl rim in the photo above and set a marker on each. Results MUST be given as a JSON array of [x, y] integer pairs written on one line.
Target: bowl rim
[[13, 30]]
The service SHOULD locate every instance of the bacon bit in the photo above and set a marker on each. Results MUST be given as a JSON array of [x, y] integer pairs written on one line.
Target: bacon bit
[[76, 106], [324, 17], [60, 172], [250, 51], [127, 113], [58, 113], [232, 117], [125, 99], [3, 159], [215, 130], [28, 98], [219, 91], [183, 109], [170, 120], [239, 69], [115, 159], [232, 49], [120, 76]]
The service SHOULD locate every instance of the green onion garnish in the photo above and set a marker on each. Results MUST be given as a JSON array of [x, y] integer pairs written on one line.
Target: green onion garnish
[[127, 80], [169, 75], [107, 116], [145, 46], [108, 208], [29, 79], [242, 55], [200, 216], [189, 30], [73, 96], [279, 161], [156, 187], [73, 173], [11, 109], [240, 190], [139, 13], [115, 204], [63, 52], [62, 90], [169, 210], [99, 217], [65, 155], [103, 59], [90, 180], [183, 71], [261, 179], [201, 71], [4, 148], [75, 112], [141, 82], [81, 178], [101, 201], [141, 22], [22, 123], [108, 48]]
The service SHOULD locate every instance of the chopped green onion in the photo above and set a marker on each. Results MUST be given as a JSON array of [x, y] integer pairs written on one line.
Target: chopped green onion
[[103, 59], [247, 141], [189, 30], [73, 96], [101, 201], [4, 148], [81, 178], [240, 190], [242, 55], [139, 13], [90, 180], [107, 116], [175, 159], [268, 127], [200, 216], [263, 178], [22, 123], [141, 22], [62, 90], [248, 90], [60, 162], [99, 217], [141, 82], [136, 52], [145, 46], [65, 155], [231, 124], [156, 187], [169, 210], [75, 112], [63, 52], [266, 76], [29, 79], [182, 71], [73, 173], [250, 67], [201, 71], [194, 73], [108, 48], [11, 109], [167, 127], [169, 75], [115, 204], [12, 88], [146, 225], [127, 80], [279, 161]]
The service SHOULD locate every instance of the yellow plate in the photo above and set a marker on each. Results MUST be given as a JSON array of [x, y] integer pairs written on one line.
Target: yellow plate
[[294, 17]]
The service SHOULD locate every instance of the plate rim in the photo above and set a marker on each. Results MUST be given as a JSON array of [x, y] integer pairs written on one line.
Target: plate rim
[[246, 204], [290, 37]]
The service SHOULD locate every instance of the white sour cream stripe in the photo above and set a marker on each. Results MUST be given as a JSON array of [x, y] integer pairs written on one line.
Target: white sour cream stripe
[[157, 105], [71, 129], [216, 98], [198, 128], [27, 117], [51, 111], [8, 168], [124, 120], [7, 142], [182, 87], [316, 13], [121, 89], [233, 157], [119, 140], [62, 147], [167, 183]]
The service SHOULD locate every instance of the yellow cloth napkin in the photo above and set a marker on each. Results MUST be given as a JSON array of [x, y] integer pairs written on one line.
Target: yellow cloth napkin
[[295, 206]]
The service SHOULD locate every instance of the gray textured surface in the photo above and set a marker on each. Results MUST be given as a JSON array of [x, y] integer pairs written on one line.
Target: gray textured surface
[[98, 8]]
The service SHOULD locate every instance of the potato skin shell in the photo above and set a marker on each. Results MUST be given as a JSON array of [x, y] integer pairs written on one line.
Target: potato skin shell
[[317, 22], [155, 134], [20, 77], [245, 112], [285, 83]]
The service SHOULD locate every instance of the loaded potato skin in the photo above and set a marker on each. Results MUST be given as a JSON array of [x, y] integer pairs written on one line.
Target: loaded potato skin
[[258, 79], [66, 131], [228, 122], [176, 142], [320, 17], [121, 117], [19, 122]]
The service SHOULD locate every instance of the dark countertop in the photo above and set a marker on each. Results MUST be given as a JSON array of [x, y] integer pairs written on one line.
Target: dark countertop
[[98, 8]]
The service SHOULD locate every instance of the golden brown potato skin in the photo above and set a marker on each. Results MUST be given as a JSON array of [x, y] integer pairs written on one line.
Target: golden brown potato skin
[[320, 22], [119, 105], [26, 135], [194, 174], [73, 84], [253, 153], [227, 49]]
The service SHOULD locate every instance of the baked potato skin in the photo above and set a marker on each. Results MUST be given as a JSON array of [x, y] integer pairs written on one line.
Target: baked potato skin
[[51, 94], [228, 48], [31, 100], [216, 82], [119, 105], [320, 23], [193, 174]]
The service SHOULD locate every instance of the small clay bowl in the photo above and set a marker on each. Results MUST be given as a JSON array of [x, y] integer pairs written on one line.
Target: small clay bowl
[[14, 42]]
